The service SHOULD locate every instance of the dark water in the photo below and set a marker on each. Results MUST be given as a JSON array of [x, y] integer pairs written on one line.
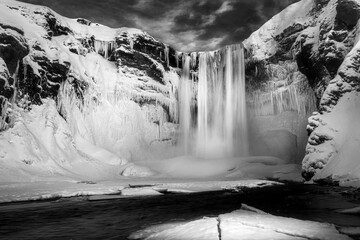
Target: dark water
[[78, 218]]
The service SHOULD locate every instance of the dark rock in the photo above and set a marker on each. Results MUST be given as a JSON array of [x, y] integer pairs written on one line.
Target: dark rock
[[84, 21], [79, 87], [329, 181], [54, 27], [46, 84], [6, 89], [4, 26], [256, 76], [140, 61], [295, 28], [320, 4], [150, 46], [13, 48], [307, 175], [88, 43], [348, 14]]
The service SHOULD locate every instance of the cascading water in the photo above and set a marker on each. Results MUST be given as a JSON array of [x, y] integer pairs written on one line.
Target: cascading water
[[218, 129], [186, 104]]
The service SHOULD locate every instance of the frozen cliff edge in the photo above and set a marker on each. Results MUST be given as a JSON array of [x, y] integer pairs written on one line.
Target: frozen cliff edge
[[321, 38]]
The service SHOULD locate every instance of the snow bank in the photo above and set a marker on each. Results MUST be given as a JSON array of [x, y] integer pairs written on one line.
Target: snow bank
[[52, 187]]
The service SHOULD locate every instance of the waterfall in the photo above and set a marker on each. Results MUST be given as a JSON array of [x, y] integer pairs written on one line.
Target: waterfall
[[185, 104], [218, 128]]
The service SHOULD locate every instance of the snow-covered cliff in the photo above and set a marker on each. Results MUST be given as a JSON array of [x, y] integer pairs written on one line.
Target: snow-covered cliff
[[320, 39], [78, 98]]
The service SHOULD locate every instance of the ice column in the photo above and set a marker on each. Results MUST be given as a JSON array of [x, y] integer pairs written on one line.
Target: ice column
[[166, 52]]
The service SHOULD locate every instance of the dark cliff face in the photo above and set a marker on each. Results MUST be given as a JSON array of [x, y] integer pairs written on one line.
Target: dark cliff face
[[335, 42], [317, 56], [13, 48]]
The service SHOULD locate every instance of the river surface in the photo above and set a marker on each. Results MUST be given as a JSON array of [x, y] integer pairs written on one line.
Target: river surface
[[78, 218]]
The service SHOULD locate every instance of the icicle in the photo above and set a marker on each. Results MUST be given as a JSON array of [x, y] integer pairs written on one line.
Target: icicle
[[15, 77], [131, 43], [3, 107], [193, 56], [104, 48], [166, 52]]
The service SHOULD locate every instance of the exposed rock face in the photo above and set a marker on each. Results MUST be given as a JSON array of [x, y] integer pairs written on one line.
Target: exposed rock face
[[320, 37], [13, 48]]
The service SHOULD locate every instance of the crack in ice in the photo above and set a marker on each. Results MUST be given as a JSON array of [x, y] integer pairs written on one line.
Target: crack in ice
[[279, 231], [219, 227]]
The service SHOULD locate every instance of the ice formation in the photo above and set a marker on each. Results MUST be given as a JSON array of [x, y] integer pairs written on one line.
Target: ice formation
[[217, 126], [166, 53], [104, 48], [288, 90]]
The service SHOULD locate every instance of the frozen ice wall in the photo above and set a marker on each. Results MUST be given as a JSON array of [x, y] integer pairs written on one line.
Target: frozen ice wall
[[104, 48], [287, 90], [278, 112], [216, 125], [108, 113]]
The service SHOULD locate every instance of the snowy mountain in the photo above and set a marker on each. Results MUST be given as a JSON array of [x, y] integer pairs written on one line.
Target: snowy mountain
[[320, 39]]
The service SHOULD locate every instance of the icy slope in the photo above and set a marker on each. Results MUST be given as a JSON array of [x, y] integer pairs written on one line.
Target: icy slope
[[321, 39], [79, 99]]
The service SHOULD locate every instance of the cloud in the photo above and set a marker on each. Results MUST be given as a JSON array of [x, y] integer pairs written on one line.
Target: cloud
[[226, 6], [187, 25]]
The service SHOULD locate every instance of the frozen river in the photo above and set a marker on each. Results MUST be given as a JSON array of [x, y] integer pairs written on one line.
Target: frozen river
[[79, 218]]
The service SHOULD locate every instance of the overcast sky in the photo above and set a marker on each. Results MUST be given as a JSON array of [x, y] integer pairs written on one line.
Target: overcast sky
[[187, 25]]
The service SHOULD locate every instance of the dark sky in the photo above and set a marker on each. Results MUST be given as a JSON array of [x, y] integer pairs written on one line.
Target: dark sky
[[187, 25]]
